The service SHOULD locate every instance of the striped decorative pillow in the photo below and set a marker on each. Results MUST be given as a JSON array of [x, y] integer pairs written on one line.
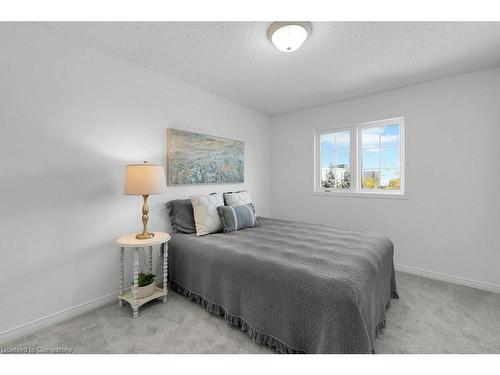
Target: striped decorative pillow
[[238, 217]]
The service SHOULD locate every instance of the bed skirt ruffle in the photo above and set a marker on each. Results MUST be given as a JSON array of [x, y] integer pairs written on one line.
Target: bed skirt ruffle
[[257, 337]]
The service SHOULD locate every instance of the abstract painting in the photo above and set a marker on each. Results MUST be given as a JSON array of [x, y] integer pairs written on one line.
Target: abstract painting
[[194, 158]]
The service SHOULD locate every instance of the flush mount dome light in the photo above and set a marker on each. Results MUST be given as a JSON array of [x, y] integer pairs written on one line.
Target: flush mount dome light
[[288, 36]]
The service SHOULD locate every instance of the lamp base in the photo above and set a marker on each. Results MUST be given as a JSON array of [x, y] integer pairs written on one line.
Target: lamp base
[[144, 236]]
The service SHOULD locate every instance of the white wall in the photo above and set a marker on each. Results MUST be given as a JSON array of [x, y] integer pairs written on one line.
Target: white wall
[[71, 118], [449, 227]]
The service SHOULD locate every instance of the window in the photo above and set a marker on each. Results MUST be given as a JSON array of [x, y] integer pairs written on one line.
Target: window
[[336, 160], [364, 158]]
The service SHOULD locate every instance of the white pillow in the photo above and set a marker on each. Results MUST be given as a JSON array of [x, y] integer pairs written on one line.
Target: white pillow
[[206, 217], [238, 198]]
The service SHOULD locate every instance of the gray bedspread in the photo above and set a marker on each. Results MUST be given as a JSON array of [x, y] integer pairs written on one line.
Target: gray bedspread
[[294, 286]]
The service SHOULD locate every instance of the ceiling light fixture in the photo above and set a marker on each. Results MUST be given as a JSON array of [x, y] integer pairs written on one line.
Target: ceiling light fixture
[[288, 36]]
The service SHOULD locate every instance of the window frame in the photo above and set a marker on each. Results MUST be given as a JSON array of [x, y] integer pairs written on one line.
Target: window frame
[[317, 178], [355, 161]]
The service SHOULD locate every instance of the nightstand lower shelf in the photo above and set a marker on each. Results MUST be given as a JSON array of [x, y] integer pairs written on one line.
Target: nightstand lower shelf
[[136, 302]]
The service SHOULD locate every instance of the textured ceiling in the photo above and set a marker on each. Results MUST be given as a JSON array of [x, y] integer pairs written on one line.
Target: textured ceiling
[[235, 60]]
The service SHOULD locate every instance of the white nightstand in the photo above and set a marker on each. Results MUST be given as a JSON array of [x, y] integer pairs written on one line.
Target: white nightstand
[[130, 294]]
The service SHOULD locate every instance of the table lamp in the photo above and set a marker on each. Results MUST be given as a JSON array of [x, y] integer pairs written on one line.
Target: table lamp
[[144, 179]]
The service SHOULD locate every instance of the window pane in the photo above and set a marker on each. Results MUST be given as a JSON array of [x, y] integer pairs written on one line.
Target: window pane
[[389, 157], [327, 147], [370, 159], [370, 179], [342, 160], [380, 157], [390, 179], [328, 178], [343, 140], [344, 181], [335, 160], [370, 137], [327, 141], [327, 159], [389, 136], [335, 178]]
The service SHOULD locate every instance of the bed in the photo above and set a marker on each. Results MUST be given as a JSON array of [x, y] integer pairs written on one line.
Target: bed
[[296, 287]]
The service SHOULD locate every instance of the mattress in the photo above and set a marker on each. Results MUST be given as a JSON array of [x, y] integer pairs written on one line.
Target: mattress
[[297, 287]]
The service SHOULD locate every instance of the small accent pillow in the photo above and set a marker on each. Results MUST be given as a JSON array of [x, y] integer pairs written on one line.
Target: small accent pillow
[[206, 218], [181, 215], [237, 198], [238, 217]]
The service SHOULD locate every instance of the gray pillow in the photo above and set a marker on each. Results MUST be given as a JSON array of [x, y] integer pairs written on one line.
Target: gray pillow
[[237, 217], [181, 215]]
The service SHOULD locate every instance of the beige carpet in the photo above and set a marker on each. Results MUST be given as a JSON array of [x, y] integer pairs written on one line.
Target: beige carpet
[[429, 317]]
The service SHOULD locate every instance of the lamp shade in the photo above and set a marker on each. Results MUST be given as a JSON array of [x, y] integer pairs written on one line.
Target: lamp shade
[[144, 179]]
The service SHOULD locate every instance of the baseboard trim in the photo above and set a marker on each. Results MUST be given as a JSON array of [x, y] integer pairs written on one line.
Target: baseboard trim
[[449, 278], [59, 316]]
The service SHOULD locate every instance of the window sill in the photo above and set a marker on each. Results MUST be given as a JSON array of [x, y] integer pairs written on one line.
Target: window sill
[[361, 195]]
